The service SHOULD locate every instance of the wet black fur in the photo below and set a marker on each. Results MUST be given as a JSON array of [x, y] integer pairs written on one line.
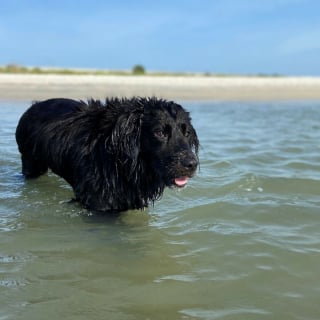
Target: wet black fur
[[117, 155]]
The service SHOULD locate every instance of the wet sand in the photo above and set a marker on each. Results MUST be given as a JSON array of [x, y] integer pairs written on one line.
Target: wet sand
[[36, 87]]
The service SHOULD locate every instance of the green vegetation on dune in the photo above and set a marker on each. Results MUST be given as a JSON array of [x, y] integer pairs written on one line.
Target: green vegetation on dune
[[14, 68], [136, 70]]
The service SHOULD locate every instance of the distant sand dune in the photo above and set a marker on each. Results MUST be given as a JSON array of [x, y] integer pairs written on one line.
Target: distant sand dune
[[34, 87]]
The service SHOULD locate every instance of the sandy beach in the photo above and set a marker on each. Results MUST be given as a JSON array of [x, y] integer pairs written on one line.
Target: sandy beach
[[35, 87]]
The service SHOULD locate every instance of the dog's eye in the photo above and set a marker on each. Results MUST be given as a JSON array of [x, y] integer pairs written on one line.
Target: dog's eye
[[161, 134], [184, 130]]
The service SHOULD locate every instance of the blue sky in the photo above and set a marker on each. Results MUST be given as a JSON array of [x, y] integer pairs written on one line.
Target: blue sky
[[219, 36]]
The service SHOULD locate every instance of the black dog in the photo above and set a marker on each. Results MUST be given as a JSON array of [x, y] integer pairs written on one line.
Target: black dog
[[117, 155]]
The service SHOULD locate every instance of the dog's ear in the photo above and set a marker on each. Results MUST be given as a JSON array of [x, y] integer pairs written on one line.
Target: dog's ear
[[125, 141]]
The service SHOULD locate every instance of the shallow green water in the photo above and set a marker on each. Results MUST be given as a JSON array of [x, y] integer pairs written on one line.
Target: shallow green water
[[242, 241]]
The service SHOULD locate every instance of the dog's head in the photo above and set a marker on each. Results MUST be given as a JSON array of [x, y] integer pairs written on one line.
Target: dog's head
[[169, 142], [153, 140]]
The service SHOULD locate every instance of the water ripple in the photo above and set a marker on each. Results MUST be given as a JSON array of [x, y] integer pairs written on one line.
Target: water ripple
[[241, 241]]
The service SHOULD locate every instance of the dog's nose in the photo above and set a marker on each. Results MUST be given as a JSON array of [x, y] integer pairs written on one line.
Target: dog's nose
[[190, 163]]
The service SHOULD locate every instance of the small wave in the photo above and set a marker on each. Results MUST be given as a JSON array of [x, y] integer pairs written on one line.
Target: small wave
[[223, 313]]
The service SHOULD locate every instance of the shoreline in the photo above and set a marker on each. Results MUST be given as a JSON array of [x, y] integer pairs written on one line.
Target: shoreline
[[229, 88]]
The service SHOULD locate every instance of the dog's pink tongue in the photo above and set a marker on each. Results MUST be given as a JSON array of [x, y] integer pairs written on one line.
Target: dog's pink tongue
[[180, 182]]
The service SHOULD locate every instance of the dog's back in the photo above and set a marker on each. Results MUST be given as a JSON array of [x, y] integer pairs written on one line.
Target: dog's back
[[30, 127]]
